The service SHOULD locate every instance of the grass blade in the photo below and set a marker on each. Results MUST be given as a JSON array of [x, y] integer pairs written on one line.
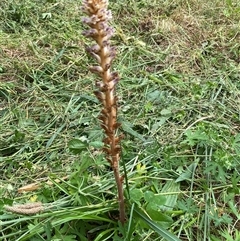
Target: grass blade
[[154, 226]]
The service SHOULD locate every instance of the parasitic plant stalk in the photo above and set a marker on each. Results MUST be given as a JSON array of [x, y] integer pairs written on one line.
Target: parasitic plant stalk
[[104, 53]]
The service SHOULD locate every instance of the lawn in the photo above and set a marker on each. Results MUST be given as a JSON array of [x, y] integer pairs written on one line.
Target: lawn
[[179, 109]]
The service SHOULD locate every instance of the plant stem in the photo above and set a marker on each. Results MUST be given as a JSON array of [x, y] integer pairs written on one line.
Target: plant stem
[[104, 53], [119, 182]]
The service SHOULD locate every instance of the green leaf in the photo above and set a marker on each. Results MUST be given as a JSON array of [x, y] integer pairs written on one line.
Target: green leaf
[[155, 227], [70, 237], [131, 226], [155, 96], [127, 127], [157, 215], [166, 112], [236, 143], [76, 146], [19, 136], [187, 174], [170, 190], [103, 234], [53, 137], [48, 229], [136, 195], [195, 137], [154, 201], [96, 144], [159, 123], [148, 196]]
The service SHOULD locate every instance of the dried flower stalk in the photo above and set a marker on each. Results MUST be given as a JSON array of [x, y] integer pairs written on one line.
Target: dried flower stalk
[[104, 53], [28, 208]]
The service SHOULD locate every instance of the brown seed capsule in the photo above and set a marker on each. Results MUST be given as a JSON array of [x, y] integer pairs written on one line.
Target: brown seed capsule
[[90, 33], [96, 69]]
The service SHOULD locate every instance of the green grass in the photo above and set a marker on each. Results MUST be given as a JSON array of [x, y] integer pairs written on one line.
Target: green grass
[[179, 104]]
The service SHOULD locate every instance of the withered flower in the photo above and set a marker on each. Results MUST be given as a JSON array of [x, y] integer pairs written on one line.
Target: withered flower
[[28, 208], [99, 30]]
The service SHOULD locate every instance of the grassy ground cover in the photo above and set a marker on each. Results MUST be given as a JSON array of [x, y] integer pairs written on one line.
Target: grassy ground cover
[[179, 104]]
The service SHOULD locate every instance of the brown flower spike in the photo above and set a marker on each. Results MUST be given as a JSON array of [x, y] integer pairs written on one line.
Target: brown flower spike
[[28, 208], [104, 53]]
